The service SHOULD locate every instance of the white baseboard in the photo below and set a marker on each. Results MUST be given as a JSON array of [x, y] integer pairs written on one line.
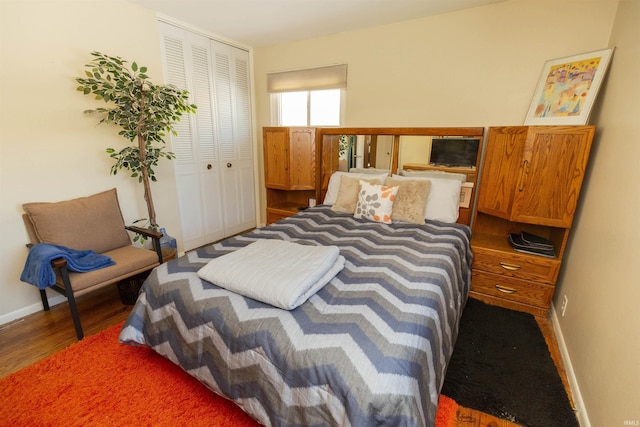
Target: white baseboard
[[30, 309], [581, 411]]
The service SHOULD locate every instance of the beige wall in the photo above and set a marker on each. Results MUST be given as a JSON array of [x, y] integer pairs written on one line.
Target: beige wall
[[479, 68], [601, 327], [471, 68], [49, 151]]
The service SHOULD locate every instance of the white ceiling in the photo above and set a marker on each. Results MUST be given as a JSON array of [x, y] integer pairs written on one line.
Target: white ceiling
[[268, 22]]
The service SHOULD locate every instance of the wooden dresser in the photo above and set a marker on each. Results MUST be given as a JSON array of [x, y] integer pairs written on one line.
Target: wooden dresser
[[291, 170], [531, 180]]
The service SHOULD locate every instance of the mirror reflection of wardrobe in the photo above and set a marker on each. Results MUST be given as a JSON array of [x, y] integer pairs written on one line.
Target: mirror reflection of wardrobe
[[365, 151], [375, 151], [385, 148], [395, 149]]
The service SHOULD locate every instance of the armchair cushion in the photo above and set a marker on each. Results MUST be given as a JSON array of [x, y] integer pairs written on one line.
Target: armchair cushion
[[129, 261], [94, 222]]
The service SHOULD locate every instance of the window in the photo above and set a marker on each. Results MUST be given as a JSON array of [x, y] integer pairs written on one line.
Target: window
[[310, 97], [307, 108]]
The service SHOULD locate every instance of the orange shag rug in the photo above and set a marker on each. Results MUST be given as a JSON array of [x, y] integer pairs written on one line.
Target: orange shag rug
[[99, 382]]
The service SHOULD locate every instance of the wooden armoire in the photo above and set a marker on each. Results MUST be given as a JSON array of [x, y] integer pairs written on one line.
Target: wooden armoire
[[530, 181], [291, 166]]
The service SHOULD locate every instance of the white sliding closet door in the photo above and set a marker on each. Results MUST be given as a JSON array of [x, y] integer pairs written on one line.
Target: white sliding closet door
[[214, 155]]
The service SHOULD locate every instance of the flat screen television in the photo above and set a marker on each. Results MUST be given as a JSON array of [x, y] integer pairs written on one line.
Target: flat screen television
[[461, 152]]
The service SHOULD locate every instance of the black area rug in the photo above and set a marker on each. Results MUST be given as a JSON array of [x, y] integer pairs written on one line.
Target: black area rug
[[501, 366]]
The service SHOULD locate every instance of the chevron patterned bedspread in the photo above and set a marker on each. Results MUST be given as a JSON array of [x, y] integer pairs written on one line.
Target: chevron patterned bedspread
[[370, 348]]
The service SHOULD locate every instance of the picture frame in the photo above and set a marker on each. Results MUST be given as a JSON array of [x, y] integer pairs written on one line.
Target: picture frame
[[567, 89], [465, 194]]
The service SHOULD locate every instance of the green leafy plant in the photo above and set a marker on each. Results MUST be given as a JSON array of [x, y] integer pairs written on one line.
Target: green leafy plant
[[144, 111]]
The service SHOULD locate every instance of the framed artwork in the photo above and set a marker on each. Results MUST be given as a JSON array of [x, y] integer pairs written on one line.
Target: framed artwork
[[567, 89]]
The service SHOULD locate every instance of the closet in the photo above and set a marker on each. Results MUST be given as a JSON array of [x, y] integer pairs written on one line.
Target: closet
[[531, 181], [214, 152]]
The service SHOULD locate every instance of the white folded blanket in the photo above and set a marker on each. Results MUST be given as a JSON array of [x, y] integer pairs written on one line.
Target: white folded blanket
[[283, 274]]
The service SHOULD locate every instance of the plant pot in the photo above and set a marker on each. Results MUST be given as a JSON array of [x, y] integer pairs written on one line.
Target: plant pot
[[129, 290]]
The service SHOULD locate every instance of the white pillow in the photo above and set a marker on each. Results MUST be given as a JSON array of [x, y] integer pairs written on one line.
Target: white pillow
[[375, 202], [334, 183], [443, 202], [369, 170], [434, 174]]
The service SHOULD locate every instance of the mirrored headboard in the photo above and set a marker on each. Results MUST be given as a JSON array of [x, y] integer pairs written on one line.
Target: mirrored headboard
[[398, 149]]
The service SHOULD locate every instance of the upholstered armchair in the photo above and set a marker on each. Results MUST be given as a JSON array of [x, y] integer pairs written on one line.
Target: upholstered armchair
[[89, 223]]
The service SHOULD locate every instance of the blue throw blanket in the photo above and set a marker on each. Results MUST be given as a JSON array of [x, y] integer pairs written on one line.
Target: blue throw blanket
[[38, 271]]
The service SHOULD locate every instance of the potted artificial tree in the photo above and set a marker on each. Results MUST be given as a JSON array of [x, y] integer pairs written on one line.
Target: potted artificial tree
[[144, 111]]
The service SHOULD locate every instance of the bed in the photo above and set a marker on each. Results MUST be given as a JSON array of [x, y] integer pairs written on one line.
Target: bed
[[369, 348]]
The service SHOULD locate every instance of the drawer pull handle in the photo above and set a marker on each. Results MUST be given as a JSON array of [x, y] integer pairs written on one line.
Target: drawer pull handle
[[511, 267], [506, 290]]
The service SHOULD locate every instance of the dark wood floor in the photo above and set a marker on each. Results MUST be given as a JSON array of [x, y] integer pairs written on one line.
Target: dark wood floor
[[34, 337]]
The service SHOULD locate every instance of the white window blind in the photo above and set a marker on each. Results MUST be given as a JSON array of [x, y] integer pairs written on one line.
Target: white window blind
[[329, 77]]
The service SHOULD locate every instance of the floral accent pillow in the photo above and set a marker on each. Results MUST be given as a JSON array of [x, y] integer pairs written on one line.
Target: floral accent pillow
[[375, 202], [348, 194]]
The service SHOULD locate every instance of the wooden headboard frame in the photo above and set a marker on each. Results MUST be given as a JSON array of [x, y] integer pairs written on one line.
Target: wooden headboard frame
[[328, 138]]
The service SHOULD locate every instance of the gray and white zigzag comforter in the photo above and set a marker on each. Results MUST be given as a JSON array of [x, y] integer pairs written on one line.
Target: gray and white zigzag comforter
[[370, 348]]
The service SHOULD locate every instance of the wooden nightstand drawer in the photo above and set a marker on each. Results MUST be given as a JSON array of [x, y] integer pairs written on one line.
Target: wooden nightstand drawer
[[531, 293], [520, 266], [274, 215]]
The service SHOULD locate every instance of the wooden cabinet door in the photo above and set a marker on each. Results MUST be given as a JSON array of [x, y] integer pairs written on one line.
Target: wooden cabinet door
[[302, 160], [553, 167], [500, 170], [276, 158], [533, 174]]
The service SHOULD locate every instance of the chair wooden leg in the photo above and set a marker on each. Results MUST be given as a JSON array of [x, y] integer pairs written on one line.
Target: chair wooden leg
[[72, 303], [45, 300]]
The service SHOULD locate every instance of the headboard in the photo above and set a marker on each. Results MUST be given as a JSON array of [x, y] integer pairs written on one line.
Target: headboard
[[395, 149]]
